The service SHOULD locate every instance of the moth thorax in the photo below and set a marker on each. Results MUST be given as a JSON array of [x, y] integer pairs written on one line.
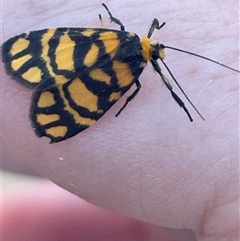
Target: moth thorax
[[157, 50], [146, 48]]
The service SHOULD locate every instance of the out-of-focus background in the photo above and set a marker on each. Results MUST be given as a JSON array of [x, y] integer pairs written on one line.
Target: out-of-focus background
[[15, 172]]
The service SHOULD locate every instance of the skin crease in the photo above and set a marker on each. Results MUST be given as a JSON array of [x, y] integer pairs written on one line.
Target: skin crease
[[150, 163]]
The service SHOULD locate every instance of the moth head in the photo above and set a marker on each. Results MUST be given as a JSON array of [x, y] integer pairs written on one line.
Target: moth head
[[157, 50]]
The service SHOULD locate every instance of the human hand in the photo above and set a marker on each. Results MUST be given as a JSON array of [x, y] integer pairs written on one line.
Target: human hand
[[150, 163]]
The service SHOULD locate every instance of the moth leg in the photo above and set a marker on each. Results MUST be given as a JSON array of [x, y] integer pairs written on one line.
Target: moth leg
[[115, 20], [155, 25], [129, 98], [101, 21]]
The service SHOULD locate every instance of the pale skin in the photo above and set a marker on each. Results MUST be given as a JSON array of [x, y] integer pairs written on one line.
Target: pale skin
[[150, 163]]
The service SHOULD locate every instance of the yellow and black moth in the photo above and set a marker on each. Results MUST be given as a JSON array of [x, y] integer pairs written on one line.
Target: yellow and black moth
[[78, 73]]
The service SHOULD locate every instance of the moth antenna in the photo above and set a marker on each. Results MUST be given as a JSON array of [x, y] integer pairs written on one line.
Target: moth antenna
[[202, 57]]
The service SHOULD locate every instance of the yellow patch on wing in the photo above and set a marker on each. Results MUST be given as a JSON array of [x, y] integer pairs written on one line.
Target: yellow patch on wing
[[44, 119], [64, 53], [91, 56], [18, 63], [115, 96], [100, 75], [111, 42], [123, 73], [33, 75], [88, 32], [57, 131], [82, 96], [46, 99], [18, 46]]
